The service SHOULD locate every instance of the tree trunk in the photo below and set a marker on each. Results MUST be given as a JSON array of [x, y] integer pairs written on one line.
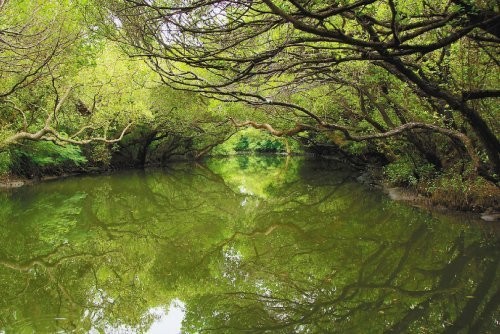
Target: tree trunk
[[486, 136], [143, 150]]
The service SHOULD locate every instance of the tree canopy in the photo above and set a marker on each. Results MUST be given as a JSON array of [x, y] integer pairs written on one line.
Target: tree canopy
[[395, 66], [411, 84]]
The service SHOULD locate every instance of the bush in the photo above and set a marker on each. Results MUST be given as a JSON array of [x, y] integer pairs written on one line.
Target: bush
[[5, 162], [406, 172], [243, 144], [37, 158], [354, 147], [100, 155], [454, 191], [269, 146]]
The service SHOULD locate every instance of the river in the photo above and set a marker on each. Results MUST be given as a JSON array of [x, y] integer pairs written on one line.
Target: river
[[240, 245]]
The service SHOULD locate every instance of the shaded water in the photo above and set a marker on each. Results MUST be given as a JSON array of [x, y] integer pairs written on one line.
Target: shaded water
[[242, 245]]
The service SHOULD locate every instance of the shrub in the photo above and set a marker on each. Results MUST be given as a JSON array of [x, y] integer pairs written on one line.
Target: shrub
[[455, 191], [401, 172], [354, 147], [269, 146], [406, 172], [5, 162], [100, 154], [40, 157], [243, 144]]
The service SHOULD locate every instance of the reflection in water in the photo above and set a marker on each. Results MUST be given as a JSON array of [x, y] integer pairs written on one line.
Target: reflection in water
[[259, 245]]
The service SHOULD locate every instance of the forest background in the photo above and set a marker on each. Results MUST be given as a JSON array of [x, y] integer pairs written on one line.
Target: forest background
[[410, 87]]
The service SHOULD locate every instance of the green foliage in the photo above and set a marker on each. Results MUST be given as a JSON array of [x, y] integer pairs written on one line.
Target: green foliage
[[408, 172], [400, 172], [107, 88], [463, 193], [243, 144], [269, 146], [251, 140], [355, 147], [100, 154], [5, 162], [42, 156]]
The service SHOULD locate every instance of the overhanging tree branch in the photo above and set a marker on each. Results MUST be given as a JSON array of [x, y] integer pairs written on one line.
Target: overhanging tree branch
[[466, 142], [51, 134], [480, 94]]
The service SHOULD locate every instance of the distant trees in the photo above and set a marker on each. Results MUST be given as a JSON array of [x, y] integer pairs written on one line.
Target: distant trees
[[367, 69]]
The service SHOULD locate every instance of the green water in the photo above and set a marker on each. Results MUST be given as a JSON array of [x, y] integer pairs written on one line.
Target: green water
[[242, 245]]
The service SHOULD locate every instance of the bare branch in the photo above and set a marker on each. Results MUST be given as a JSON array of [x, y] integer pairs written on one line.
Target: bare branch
[[50, 134], [61, 138]]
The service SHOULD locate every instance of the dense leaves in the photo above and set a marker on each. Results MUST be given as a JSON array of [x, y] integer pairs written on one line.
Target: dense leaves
[[410, 83], [362, 69]]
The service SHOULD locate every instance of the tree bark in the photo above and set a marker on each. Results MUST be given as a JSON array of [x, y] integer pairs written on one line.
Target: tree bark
[[483, 132]]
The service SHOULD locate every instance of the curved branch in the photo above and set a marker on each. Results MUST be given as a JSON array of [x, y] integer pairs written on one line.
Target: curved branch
[[278, 133], [466, 142], [50, 134], [58, 137]]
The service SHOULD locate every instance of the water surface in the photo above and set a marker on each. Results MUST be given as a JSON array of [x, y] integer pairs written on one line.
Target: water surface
[[242, 245]]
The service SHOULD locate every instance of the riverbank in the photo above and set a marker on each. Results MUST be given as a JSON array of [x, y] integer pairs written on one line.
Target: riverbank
[[14, 181], [10, 181], [487, 207], [418, 200], [481, 199]]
